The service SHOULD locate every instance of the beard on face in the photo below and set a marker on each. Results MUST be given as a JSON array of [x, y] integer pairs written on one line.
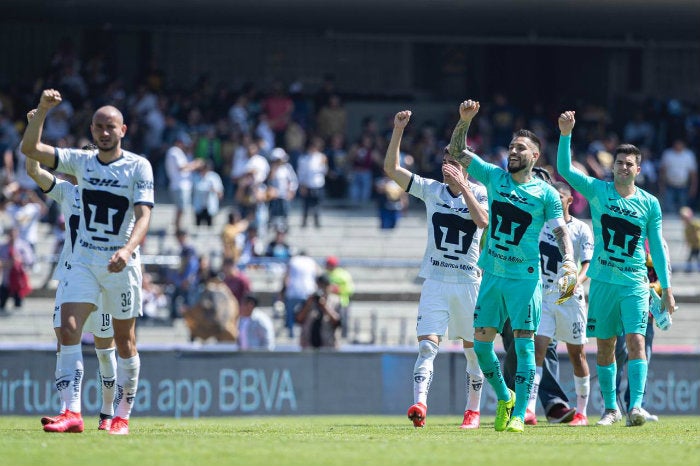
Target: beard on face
[[516, 168], [106, 147]]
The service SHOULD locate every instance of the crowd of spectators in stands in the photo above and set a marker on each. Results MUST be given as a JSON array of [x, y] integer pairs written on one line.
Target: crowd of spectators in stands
[[252, 150]]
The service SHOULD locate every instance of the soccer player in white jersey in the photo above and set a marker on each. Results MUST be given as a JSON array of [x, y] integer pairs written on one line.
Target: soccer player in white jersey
[[66, 194], [116, 198], [519, 206], [457, 213], [567, 321], [624, 217], [99, 323]]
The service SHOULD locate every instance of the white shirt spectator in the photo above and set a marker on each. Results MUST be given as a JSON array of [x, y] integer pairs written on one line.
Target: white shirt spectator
[[175, 160], [678, 165], [312, 170]]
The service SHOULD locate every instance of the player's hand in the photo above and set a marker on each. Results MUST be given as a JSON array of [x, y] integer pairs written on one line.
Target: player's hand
[[468, 109], [566, 281], [30, 114], [118, 261], [567, 120], [453, 173], [49, 99], [402, 118], [669, 300]]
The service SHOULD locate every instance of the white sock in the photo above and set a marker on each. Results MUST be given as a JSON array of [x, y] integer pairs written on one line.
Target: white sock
[[583, 389], [57, 374], [70, 377], [475, 381], [423, 371], [532, 401], [127, 382], [107, 360]]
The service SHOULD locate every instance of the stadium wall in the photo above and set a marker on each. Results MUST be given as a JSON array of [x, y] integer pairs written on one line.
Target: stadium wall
[[199, 383]]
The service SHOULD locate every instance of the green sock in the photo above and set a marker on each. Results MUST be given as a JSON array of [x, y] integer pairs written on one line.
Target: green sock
[[525, 374], [488, 361], [637, 378], [606, 380]]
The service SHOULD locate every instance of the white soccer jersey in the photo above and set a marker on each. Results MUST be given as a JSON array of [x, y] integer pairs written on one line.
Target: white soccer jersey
[[452, 249], [68, 197], [550, 256], [108, 193]]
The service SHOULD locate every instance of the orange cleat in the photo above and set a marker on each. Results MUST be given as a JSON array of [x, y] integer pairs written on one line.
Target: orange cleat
[[105, 422], [120, 426], [417, 414], [472, 420], [66, 422], [579, 420]]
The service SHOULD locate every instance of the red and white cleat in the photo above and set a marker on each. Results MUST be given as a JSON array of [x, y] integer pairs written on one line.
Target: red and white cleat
[[120, 426], [417, 413], [105, 422], [66, 422], [472, 420], [530, 418], [579, 420]]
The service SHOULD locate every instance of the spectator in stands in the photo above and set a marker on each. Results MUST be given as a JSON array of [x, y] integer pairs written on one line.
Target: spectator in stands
[[153, 298], [332, 119], [236, 280], [691, 230], [344, 287], [252, 246], [363, 159], [233, 235], [298, 284], [678, 180], [313, 166], [16, 255], [26, 211], [255, 329], [278, 108], [179, 166], [278, 247], [338, 168], [392, 200], [282, 185], [183, 280], [320, 317], [207, 192], [208, 148]]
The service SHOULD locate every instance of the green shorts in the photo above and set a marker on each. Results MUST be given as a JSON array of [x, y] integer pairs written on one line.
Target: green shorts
[[503, 298], [617, 309]]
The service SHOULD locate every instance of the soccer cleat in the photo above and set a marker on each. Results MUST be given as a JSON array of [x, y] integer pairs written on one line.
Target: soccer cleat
[[120, 426], [561, 414], [48, 420], [105, 422], [516, 424], [530, 418], [635, 417], [610, 417], [579, 420], [417, 414], [648, 416], [472, 420], [503, 411], [66, 422]]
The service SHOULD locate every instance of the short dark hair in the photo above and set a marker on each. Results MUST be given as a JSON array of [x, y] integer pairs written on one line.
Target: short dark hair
[[629, 149], [562, 187], [526, 133], [249, 298]]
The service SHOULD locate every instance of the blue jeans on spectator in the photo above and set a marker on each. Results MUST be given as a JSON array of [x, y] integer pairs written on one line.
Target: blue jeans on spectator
[[291, 307], [674, 199], [361, 186]]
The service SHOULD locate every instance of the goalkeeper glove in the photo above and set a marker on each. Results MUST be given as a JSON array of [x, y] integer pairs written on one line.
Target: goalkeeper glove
[[567, 280]]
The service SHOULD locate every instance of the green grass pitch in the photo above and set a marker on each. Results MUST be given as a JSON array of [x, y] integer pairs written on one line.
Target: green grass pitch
[[348, 440]]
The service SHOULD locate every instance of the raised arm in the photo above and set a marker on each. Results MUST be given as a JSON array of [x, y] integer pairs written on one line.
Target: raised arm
[[458, 142], [476, 210], [42, 177], [568, 272], [577, 179], [392, 165], [32, 146]]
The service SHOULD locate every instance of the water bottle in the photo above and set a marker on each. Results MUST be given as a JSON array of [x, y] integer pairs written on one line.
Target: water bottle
[[661, 315]]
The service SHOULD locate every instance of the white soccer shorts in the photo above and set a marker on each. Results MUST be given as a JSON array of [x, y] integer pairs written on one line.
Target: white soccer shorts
[[447, 308], [564, 322], [120, 292], [99, 323]]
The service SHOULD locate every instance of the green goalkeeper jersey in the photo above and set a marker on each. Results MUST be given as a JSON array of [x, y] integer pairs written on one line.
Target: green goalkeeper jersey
[[518, 212], [620, 226]]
